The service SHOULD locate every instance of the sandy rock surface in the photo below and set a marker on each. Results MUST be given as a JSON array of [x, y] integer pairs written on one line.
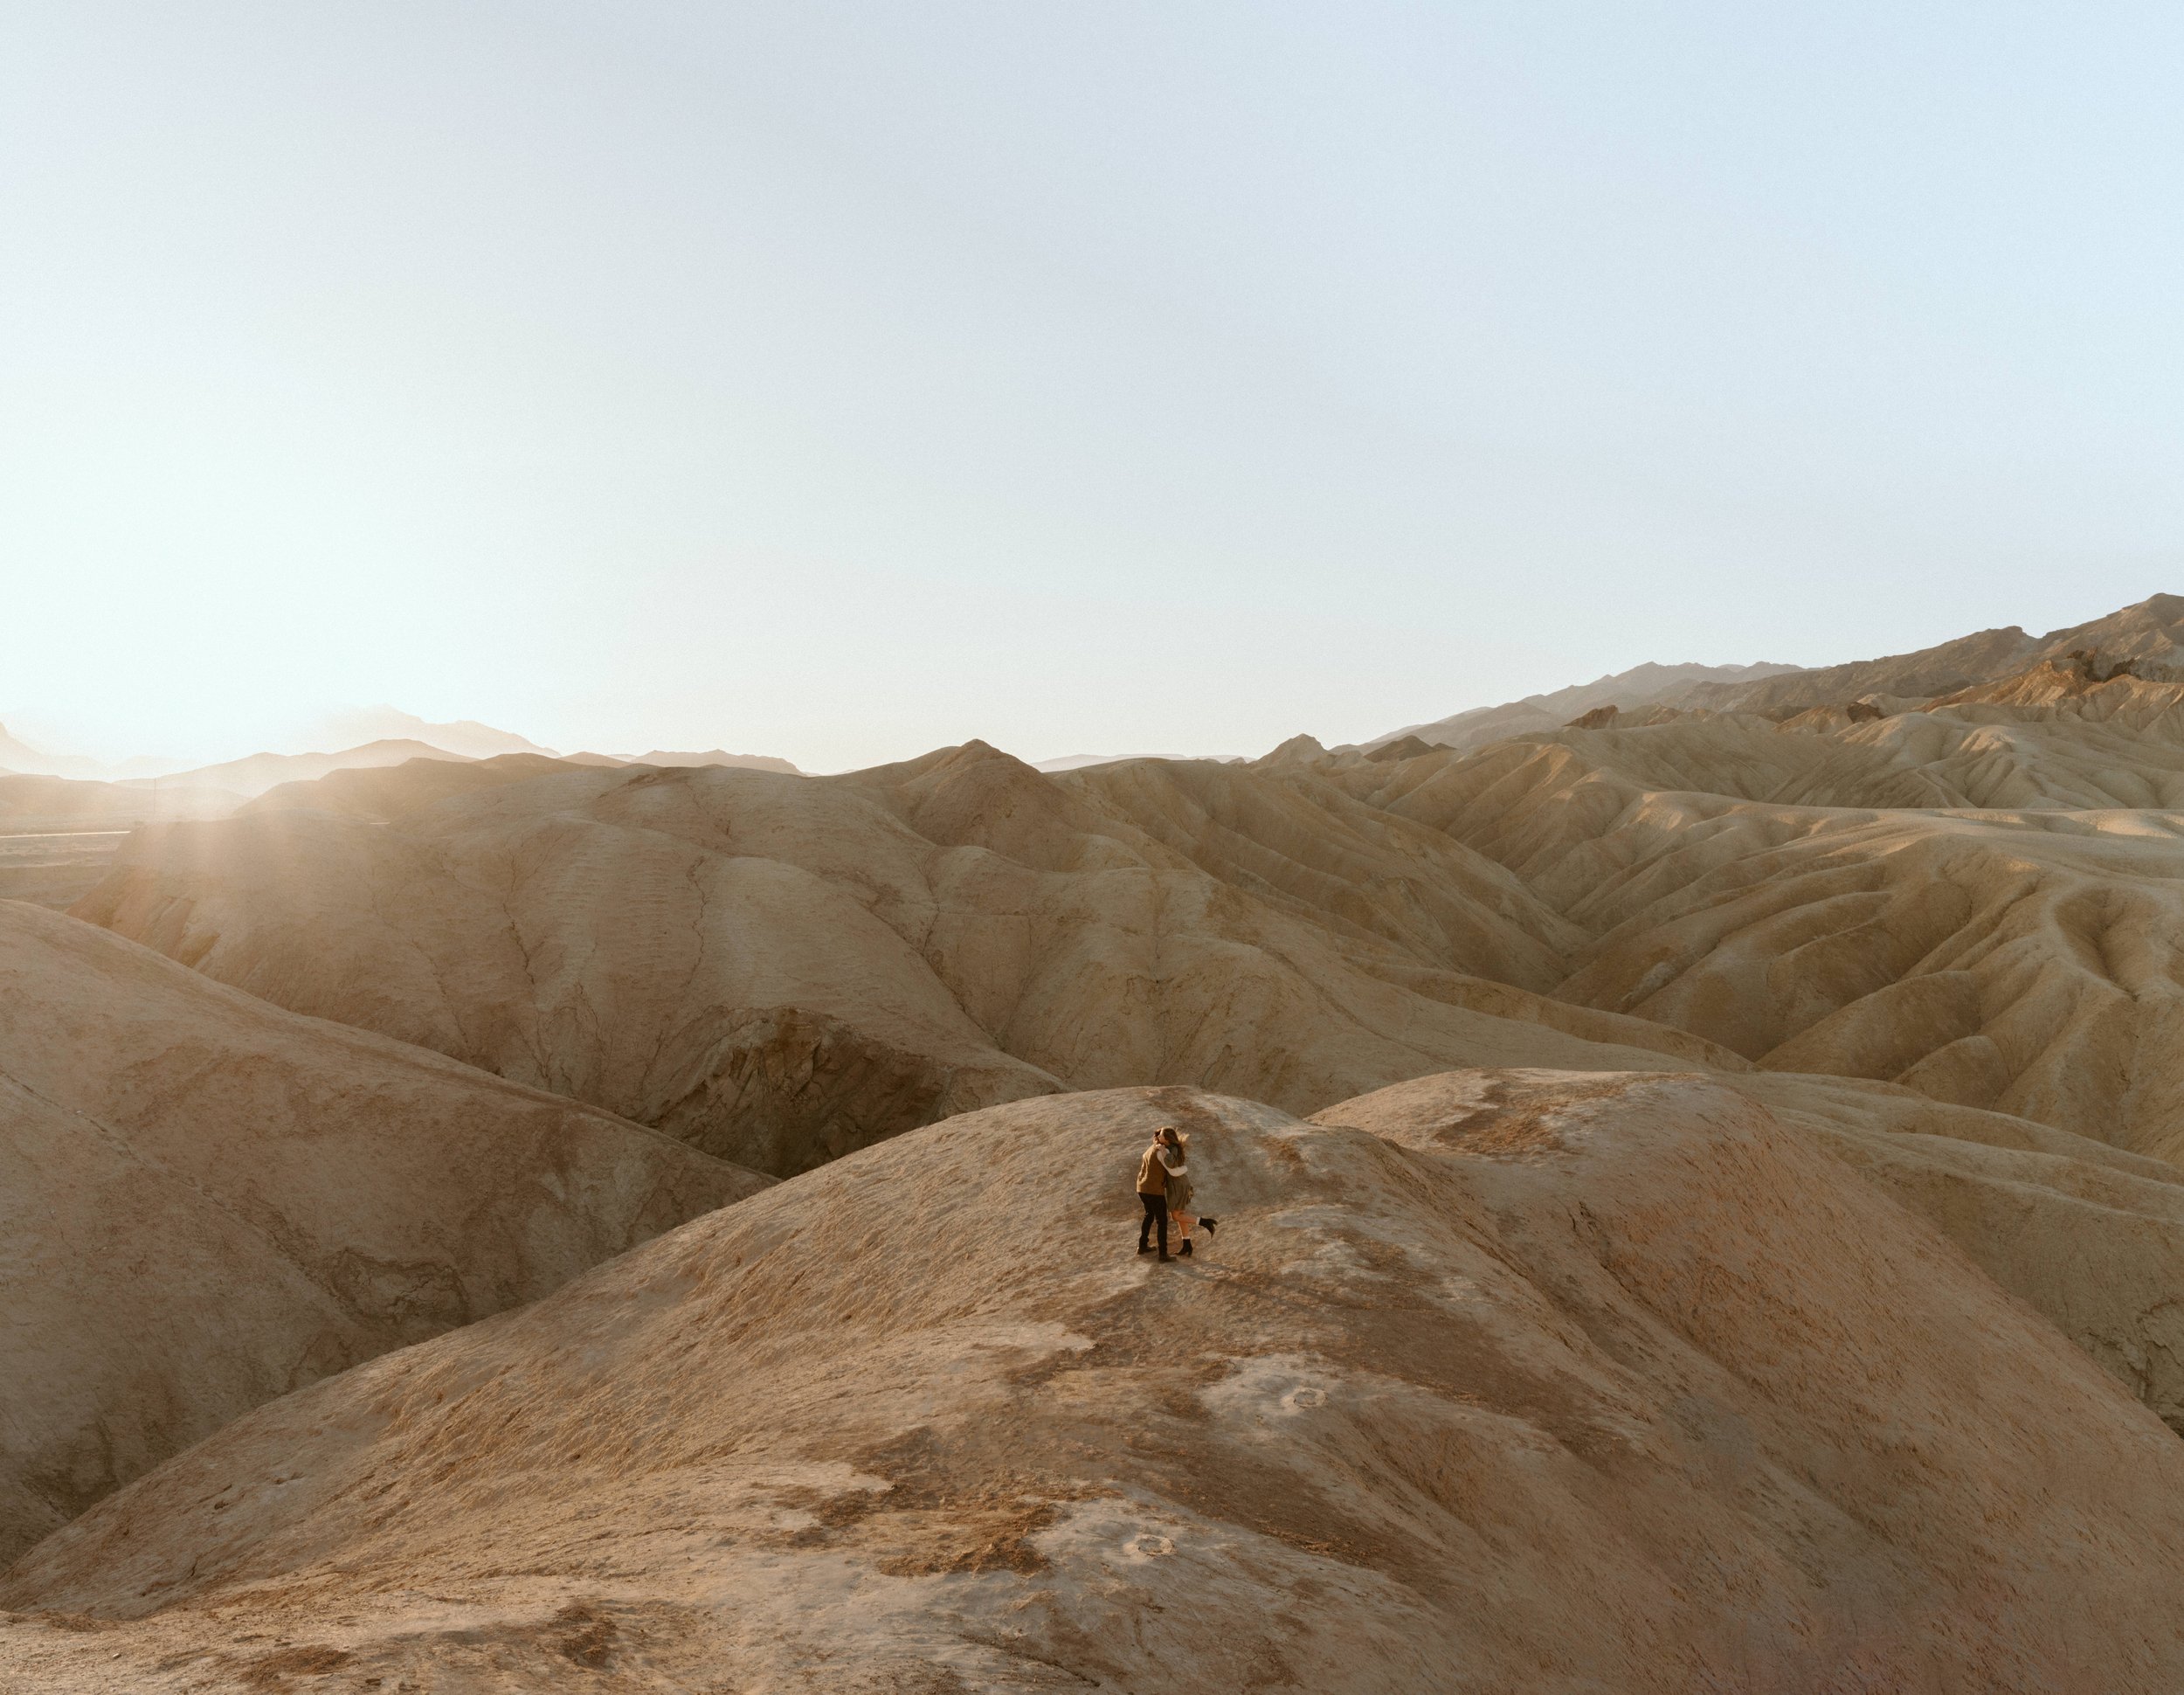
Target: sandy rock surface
[[206, 1202], [1486, 1383]]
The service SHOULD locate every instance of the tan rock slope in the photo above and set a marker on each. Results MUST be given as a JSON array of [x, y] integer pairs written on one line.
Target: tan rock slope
[[2089, 1236], [1611, 1382], [780, 969], [206, 1202]]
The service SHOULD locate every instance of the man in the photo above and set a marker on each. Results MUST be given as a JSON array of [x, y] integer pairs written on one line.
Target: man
[[1152, 1184]]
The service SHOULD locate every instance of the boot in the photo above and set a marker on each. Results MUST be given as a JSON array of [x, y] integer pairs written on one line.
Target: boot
[[1165, 1256], [1208, 1223], [1184, 1251]]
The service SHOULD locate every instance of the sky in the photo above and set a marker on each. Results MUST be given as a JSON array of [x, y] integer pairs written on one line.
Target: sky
[[842, 381]]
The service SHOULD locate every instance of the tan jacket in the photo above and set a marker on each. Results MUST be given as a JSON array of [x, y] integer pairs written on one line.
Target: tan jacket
[[1152, 1172]]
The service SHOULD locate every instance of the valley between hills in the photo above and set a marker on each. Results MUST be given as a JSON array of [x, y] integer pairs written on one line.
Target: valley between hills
[[1699, 1159]]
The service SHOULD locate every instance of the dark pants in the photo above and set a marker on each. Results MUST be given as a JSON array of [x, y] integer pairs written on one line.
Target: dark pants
[[1156, 1212]]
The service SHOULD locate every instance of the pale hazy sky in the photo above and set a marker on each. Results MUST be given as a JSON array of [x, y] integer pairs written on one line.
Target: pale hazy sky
[[839, 381]]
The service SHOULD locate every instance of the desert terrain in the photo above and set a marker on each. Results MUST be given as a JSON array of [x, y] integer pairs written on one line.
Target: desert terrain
[[210, 1202], [1699, 1158]]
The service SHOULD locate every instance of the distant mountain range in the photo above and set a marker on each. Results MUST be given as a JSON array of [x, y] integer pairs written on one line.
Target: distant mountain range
[[1086, 761], [714, 756], [356, 731], [2149, 635], [260, 772], [21, 758], [1642, 685], [473, 740], [357, 738]]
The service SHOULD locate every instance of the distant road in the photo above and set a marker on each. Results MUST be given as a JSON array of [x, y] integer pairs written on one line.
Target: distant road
[[54, 868]]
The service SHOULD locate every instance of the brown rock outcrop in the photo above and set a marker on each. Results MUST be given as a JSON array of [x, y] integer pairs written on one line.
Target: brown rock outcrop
[[1403, 747], [1296, 750]]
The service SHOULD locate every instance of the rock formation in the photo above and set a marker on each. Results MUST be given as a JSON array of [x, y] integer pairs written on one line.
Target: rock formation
[[1556, 1384], [1980, 907], [1296, 749], [1403, 747], [1969, 895], [782, 969], [206, 1202]]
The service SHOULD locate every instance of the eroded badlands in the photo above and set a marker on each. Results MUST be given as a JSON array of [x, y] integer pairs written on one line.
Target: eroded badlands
[[1697, 1158]]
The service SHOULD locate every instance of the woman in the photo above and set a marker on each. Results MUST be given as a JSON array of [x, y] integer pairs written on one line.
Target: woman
[[1160, 1158], [1178, 1161]]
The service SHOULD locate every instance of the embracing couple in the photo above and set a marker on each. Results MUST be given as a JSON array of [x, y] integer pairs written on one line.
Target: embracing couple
[[1164, 1185]]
